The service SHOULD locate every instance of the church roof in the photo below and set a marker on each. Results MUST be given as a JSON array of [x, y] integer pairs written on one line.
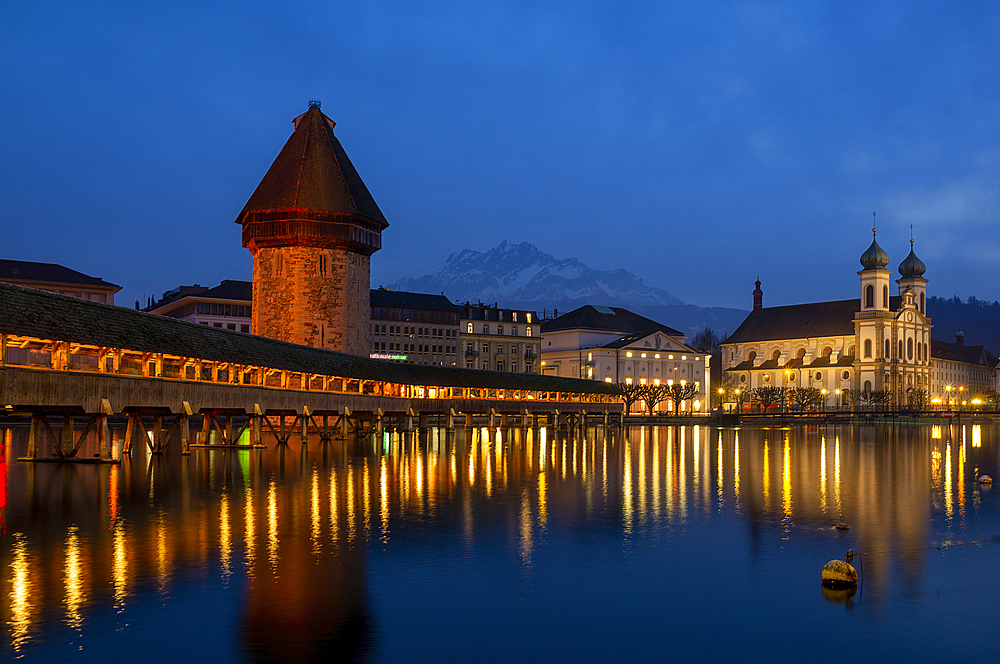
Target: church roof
[[313, 172], [610, 319], [911, 265], [801, 321]]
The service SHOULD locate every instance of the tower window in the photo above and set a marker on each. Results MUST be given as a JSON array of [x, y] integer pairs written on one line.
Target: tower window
[[868, 345], [922, 303], [322, 265], [885, 297], [869, 296]]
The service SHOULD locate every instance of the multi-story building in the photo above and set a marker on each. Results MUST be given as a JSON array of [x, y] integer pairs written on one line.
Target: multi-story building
[[228, 305], [58, 279], [312, 226], [499, 339], [618, 346], [414, 328], [961, 373]]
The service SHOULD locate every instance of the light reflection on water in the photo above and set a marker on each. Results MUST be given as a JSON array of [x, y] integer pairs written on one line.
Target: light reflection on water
[[296, 552]]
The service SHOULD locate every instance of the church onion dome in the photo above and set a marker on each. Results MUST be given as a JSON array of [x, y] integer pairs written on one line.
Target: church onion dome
[[911, 265], [874, 257]]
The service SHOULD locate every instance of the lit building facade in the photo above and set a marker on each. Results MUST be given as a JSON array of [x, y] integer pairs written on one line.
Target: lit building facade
[[616, 345], [876, 342], [57, 279], [312, 226], [228, 306], [499, 339], [962, 375], [414, 328]]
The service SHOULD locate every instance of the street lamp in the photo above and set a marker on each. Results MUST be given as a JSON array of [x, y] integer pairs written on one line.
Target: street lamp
[[947, 390], [823, 392]]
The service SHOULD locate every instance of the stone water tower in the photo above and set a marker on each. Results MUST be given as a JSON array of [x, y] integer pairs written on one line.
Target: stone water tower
[[312, 226]]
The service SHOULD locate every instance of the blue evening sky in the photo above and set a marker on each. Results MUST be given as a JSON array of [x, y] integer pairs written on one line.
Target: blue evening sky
[[696, 144]]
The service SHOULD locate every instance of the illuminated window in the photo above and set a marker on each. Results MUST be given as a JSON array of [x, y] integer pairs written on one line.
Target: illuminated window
[[657, 356], [642, 381], [628, 354], [628, 381], [643, 355], [527, 331], [527, 316], [656, 381], [670, 357], [513, 316], [468, 328]]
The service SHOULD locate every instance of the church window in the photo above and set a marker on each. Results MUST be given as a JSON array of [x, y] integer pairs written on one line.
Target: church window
[[868, 346], [885, 297], [888, 350], [827, 351], [868, 386], [921, 303], [900, 356], [869, 296], [846, 375], [850, 351], [909, 348], [767, 378], [819, 375]]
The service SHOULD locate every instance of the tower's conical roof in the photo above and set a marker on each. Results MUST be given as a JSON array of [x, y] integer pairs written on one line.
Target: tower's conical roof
[[911, 265], [312, 172], [874, 256]]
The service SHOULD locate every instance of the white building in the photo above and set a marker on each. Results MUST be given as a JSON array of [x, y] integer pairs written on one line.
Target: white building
[[227, 306], [618, 346]]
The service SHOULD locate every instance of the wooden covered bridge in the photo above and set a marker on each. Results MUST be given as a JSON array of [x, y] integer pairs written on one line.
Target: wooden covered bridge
[[65, 357]]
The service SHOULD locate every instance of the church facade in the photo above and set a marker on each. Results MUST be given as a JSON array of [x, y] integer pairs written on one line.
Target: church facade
[[877, 341]]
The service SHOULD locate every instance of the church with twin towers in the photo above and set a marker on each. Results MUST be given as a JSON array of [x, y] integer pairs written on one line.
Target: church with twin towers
[[879, 340]]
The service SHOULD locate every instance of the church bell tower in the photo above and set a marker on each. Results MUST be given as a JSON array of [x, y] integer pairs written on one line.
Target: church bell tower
[[312, 226]]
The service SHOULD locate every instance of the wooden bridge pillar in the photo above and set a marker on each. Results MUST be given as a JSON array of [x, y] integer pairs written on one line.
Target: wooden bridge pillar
[[344, 422], [67, 434], [468, 421], [33, 435], [378, 424], [305, 425], [422, 421], [256, 425], [206, 422], [185, 427], [155, 446]]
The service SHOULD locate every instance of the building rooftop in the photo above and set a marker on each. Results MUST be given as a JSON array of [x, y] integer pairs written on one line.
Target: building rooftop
[[611, 319], [49, 273], [956, 352], [801, 321], [382, 297], [313, 172]]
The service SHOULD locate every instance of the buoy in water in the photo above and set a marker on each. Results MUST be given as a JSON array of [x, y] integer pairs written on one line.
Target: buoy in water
[[843, 525], [839, 574], [985, 479]]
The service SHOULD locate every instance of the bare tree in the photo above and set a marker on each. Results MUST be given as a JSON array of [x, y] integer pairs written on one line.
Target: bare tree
[[805, 397], [707, 341], [677, 393], [630, 394], [652, 395], [767, 396]]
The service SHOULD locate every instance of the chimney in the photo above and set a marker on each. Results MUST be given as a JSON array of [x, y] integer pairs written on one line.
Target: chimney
[[960, 337], [758, 296]]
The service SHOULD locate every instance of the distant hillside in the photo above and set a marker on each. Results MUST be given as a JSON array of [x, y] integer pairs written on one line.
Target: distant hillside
[[978, 319], [523, 276]]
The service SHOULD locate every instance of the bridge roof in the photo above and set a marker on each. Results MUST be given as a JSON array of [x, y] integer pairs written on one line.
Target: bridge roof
[[35, 313]]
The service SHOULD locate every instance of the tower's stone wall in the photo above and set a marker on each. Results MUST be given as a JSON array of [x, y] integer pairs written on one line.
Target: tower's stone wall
[[313, 296]]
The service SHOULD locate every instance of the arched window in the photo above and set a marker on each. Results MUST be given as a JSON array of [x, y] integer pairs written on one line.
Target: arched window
[[868, 386], [922, 304], [888, 350], [869, 296], [868, 346], [775, 355], [900, 356], [885, 297], [850, 351], [752, 355], [909, 348], [827, 352]]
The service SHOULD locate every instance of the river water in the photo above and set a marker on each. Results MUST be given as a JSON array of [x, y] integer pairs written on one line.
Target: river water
[[662, 543]]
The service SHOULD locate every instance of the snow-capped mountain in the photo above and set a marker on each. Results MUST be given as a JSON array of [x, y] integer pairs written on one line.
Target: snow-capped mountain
[[523, 275]]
